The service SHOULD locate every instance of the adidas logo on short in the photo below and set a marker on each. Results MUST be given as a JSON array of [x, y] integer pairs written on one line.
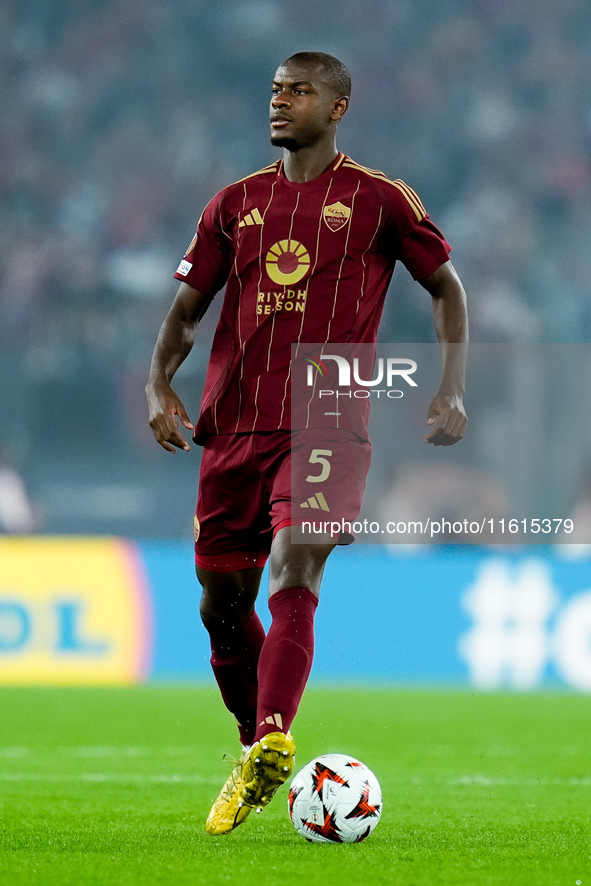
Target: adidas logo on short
[[253, 218], [317, 501]]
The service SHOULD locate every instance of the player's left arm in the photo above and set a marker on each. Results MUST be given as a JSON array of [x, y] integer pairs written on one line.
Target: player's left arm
[[450, 318]]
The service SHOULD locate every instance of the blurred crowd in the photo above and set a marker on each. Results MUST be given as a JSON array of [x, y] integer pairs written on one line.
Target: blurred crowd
[[121, 118]]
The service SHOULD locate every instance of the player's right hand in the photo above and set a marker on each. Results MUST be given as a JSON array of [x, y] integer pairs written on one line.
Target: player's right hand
[[164, 405]]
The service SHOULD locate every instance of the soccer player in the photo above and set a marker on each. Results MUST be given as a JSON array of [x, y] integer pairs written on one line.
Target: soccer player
[[306, 248]]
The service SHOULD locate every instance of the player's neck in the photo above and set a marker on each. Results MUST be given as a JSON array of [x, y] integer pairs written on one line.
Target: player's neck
[[306, 164]]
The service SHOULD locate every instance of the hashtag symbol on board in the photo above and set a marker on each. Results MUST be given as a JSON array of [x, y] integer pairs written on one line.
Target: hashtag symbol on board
[[509, 607]]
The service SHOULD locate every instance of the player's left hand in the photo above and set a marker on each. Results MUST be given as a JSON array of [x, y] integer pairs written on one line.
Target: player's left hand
[[448, 415]]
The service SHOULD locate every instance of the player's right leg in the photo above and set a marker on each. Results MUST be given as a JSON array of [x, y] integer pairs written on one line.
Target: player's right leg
[[230, 553], [236, 636]]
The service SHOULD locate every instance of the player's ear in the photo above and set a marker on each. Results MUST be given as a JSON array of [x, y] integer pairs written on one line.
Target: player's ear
[[340, 108]]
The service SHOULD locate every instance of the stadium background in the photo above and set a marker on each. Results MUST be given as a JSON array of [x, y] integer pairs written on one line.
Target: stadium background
[[120, 119]]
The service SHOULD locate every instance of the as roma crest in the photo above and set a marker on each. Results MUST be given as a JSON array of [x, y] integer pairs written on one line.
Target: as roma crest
[[336, 216]]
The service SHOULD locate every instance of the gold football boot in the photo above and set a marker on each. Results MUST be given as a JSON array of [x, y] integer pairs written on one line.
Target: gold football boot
[[268, 765], [229, 809], [252, 784]]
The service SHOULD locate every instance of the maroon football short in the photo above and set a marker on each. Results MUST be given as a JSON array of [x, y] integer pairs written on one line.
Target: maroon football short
[[252, 485]]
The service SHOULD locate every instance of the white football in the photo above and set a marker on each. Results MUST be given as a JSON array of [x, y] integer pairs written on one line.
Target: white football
[[335, 799]]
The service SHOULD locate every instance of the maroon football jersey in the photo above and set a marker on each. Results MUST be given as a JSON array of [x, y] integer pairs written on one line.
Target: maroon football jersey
[[302, 262]]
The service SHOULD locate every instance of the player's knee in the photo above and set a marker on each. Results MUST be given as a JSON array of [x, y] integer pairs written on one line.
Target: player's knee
[[227, 596], [212, 613], [216, 609], [207, 611], [302, 569]]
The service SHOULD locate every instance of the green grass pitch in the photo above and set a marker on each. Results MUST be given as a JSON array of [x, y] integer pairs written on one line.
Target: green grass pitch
[[112, 786]]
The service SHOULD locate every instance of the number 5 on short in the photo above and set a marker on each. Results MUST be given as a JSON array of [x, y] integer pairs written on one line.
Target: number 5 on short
[[319, 457]]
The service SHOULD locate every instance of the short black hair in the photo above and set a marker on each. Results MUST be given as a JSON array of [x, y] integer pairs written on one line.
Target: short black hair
[[337, 74]]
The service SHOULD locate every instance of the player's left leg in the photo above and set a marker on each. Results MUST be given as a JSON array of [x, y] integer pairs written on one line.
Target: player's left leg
[[295, 573], [284, 662]]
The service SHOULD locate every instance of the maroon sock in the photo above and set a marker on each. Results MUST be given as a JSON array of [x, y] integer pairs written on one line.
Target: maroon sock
[[235, 654], [286, 659]]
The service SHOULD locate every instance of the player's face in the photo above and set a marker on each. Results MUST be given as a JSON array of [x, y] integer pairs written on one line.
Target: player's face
[[303, 106]]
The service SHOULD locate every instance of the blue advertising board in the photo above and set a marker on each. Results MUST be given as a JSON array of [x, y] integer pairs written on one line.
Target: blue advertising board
[[107, 611], [447, 615]]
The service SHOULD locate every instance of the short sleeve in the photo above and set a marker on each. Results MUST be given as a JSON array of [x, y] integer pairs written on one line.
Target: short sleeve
[[207, 262], [418, 243]]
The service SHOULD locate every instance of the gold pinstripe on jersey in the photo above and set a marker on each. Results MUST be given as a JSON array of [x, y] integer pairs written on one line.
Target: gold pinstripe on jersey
[[369, 246], [336, 291], [295, 209], [272, 167], [239, 324], [411, 195], [320, 218], [242, 345], [290, 233], [412, 198]]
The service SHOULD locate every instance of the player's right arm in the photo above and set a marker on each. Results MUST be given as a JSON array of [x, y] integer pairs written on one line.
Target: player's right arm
[[174, 343]]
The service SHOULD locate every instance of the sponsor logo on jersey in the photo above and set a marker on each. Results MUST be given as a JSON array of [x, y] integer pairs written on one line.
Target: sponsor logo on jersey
[[196, 528], [184, 268], [286, 300], [336, 216], [287, 262], [253, 218]]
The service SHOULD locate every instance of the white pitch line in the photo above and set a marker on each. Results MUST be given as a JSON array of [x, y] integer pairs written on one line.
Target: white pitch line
[[111, 777], [195, 779], [98, 751], [532, 781]]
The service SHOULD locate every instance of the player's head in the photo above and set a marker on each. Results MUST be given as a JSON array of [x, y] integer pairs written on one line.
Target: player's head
[[311, 93]]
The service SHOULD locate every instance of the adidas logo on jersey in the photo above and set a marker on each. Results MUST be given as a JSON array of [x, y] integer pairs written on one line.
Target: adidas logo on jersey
[[253, 218], [318, 502]]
